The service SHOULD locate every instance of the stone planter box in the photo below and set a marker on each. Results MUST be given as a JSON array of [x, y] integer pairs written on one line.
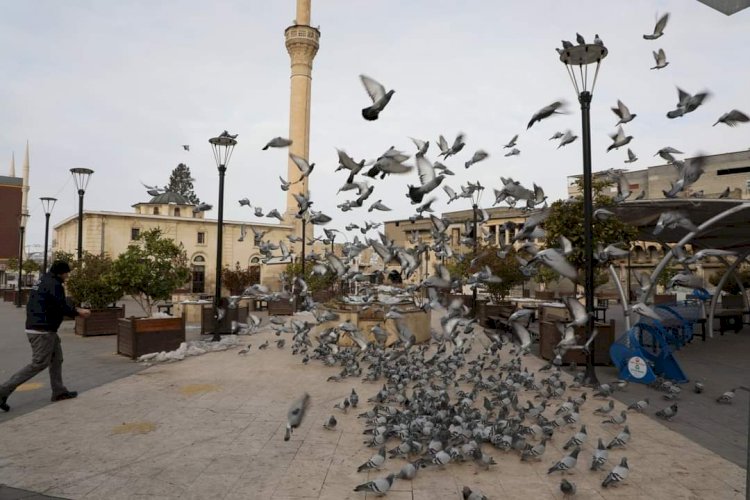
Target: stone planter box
[[238, 314], [549, 337], [415, 319], [139, 336], [101, 322], [282, 307]]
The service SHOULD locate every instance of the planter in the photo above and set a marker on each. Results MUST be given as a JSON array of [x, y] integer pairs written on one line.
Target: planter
[[238, 314], [139, 336], [664, 298], [10, 295], [322, 296], [549, 337], [101, 322], [282, 307], [544, 295]]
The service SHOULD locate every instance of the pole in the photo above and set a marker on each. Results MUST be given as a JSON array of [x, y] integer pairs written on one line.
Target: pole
[[219, 245], [590, 378], [20, 266], [304, 231], [80, 224], [476, 247], [46, 241]]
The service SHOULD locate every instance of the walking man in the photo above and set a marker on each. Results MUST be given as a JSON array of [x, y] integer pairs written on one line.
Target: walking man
[[44, 314]]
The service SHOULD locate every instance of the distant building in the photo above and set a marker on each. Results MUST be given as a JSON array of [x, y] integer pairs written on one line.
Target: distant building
[[10, 210]]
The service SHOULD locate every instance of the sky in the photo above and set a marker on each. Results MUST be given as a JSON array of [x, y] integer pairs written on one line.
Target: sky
[[118, 87]]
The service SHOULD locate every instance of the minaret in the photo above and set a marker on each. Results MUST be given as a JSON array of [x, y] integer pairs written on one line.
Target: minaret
[[25, 192], [302, 45], [12, 172]]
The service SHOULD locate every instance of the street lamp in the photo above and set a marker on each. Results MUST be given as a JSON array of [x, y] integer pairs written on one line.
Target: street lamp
[[81, 177], [577, 60], [222, 146], [476, 195], [47, 204], [21, 229]]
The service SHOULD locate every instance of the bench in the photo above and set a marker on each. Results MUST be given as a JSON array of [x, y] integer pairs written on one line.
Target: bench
[[501, 318], [165, 307]]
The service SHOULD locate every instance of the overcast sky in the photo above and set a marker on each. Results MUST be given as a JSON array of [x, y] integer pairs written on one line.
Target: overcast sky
[[119, 86]]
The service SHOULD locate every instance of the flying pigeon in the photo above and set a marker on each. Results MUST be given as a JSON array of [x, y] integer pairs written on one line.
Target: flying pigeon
[[202, 207], [275, 214], [619, 139], [732, 118], [304, 167], [556, 135], [478, 156], [513, 152], [458, 145], [278, 142], [687, 103], [623, 113], [631, 156], [186, 147], [512, 142], [545, 112], [379, 96], [567, 138], [661, 59], [658, 28], [378, 205]]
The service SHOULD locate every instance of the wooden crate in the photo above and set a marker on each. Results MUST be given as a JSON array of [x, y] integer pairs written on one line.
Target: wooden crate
[[282, 307], [139, 336], [101, 322], [238, 314], [549, 337]]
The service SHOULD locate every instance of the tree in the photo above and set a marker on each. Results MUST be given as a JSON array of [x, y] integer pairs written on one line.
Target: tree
[[29, 267], [92, 283], [181, 182], [237, 279], [151, 268], [506, 268], [314, 282], [566, 219], [64, 256]]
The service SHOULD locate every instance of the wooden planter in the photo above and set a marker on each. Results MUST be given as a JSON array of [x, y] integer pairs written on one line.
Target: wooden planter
[[10, 296], [549, 337], [282, 307], [664, 298], [139, 336], [544, 295], [322, 296], [101, 322], [238, 314]]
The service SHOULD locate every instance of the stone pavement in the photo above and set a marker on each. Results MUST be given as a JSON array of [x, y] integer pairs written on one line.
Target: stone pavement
[[212, 427]]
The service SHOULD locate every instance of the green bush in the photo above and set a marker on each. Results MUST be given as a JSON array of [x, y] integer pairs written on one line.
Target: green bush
[[315, 282], [91, 283]]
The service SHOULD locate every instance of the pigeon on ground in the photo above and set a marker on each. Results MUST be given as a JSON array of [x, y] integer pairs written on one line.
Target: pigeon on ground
[[354, 398], [468, 494], [567, 463], [409, 470], [295, 414], [623, 113], [660, 58], [330, 423], [605, 410], [698, 388], [545, 112], [732, 118], [278, 142], [568, 489], [617, 419], [380, 98], [620, 440], [375, 462], [577, 439], [378, 486], [658, 28], [639, 405], [727, 397], [667, 413], [600, 457], [618, 474]]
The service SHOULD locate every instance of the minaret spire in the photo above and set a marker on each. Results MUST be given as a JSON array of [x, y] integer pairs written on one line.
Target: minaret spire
[[12, 172], [25, 191], [302, 45]]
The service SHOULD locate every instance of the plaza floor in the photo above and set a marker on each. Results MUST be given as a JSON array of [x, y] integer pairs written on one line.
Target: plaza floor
[[212, 427]]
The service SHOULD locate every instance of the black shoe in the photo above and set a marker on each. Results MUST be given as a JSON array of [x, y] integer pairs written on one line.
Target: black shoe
[[65, 395], [3, 405]]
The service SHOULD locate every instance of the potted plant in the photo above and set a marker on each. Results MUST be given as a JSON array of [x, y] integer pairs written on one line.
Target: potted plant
[[150, 269], [320, 287], [236, 280], [91, 284]]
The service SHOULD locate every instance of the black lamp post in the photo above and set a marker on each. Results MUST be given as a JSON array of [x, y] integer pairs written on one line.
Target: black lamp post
[[81, 177], [47, 204], [476, 195], [223, 145], [577, 60], [21, 230], [304, 241]]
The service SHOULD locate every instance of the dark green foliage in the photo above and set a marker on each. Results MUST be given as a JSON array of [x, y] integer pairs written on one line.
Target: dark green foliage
[[237, 279], [151, 268], [92, 284], [505, 268], [315, 282], [181, 182]]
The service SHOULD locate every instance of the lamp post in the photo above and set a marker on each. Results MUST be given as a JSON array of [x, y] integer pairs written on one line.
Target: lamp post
[[476, 195], [21, 230], [47, 204], [304, 236], [222, 146], [81, 177], [577, 60]]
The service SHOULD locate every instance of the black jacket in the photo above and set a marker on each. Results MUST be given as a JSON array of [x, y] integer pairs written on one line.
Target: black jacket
[[47, 305]]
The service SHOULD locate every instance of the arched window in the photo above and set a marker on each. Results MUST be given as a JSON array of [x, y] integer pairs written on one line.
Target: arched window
[[198, 274]]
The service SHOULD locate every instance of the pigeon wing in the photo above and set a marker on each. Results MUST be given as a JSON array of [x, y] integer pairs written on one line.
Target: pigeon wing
[[374, 89]]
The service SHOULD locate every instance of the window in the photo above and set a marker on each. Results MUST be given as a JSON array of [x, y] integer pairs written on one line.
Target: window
[[730, 171], [177, 212], [156, 210], [134, 233], [201, 237]]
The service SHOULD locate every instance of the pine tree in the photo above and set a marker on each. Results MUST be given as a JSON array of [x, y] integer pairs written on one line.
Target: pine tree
[[181, 182]]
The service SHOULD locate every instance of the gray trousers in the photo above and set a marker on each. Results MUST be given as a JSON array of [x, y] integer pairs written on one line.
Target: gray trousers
[[46, 352]]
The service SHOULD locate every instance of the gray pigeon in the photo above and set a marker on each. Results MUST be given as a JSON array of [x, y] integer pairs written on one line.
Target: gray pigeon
[[330, 422], [380, 98], [545, 112], [513, 152], [375, 462], [302, 164], [568, 489], [278, 142], [727, 397], [618, 474], [660, 58], [687, 103], [619, 139], [378, 486], [600, 457], [631, 156], [468, 494], [512, 142], [567, 138], [567, 463], [476, 158], [732, 118], [623, 113], [658, 28], [202, 207], [295, 414], [620, 440]]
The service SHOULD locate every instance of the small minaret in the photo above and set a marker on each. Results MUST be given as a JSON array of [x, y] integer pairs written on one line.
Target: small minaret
[[12, 172], [25, 191], [302, 45]]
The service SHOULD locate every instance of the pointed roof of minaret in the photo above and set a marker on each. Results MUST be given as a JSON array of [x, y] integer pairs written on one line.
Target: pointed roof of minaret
[[26, 158], [12, 172]]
